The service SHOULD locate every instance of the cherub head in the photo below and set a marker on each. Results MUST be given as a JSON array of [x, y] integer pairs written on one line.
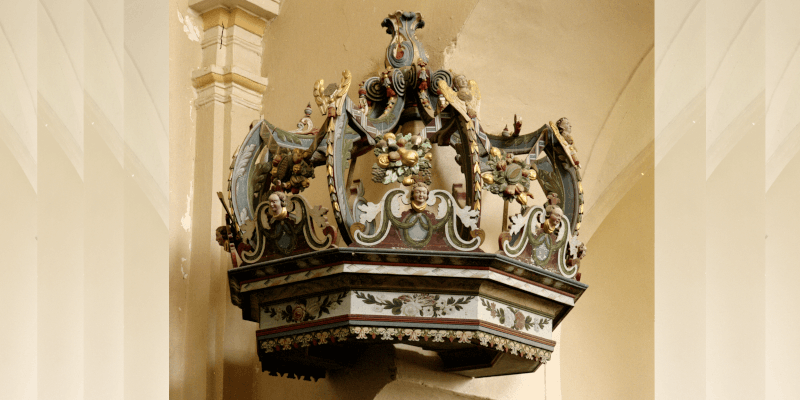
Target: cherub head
[[277, 203], [419, 196], [222, 235], [554, 214], [419, 193], [461, 82]]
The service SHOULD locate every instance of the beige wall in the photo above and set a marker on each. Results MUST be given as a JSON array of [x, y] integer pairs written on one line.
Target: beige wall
[[102, 331], [83, 138]]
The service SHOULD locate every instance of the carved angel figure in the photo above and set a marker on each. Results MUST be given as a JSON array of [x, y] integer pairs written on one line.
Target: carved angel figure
[[565, 129], [423, 76], [467, 97]]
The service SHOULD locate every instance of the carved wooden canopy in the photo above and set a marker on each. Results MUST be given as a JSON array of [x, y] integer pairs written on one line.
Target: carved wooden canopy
[[404, 264]]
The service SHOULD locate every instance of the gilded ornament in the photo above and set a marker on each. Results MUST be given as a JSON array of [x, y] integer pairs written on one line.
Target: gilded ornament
[[403, 156], [410, 158], [508, 177], [383, 160]]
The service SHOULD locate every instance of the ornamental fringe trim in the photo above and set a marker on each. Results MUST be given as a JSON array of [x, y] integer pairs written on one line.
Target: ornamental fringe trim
[[412, 335]]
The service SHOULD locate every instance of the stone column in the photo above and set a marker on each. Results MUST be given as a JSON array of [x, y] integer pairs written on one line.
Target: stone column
[[229, 87]]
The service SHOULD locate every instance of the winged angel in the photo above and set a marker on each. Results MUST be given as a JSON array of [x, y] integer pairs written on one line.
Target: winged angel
[[467, 97]]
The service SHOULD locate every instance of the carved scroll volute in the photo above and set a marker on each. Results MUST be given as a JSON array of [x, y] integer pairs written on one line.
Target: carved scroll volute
[[404, 50]]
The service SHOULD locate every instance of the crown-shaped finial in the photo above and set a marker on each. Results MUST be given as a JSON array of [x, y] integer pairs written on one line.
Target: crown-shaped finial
[[404, 49]]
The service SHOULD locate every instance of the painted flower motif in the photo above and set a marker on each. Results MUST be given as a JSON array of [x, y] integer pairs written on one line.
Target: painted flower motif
[[508, 322], [519, 320], [448, 310], [427, 311], [494, 310], [298, 312], [411, 309]]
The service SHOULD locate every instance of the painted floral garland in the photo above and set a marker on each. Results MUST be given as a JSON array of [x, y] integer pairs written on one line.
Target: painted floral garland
[[515, 319], [306, 309], [418, 304]]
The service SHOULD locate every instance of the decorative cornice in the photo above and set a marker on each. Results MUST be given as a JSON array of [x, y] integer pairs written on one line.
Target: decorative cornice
[[227, 94], [227, 78], [223, 17], [412, 335], [418, 269]]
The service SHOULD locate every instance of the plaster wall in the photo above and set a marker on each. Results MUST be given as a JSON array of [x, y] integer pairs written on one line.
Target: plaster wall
[[680, 253], [781, 361], [86, 201], [18, 246], [17, 372]]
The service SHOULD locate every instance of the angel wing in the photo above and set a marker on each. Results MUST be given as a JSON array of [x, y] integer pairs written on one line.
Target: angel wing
[[453, 99], [441, 212], [475, 102], [319, 98], [468, 217], [318, 216], [370, 211], [399, 204], [341, 93], [517, 223]]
